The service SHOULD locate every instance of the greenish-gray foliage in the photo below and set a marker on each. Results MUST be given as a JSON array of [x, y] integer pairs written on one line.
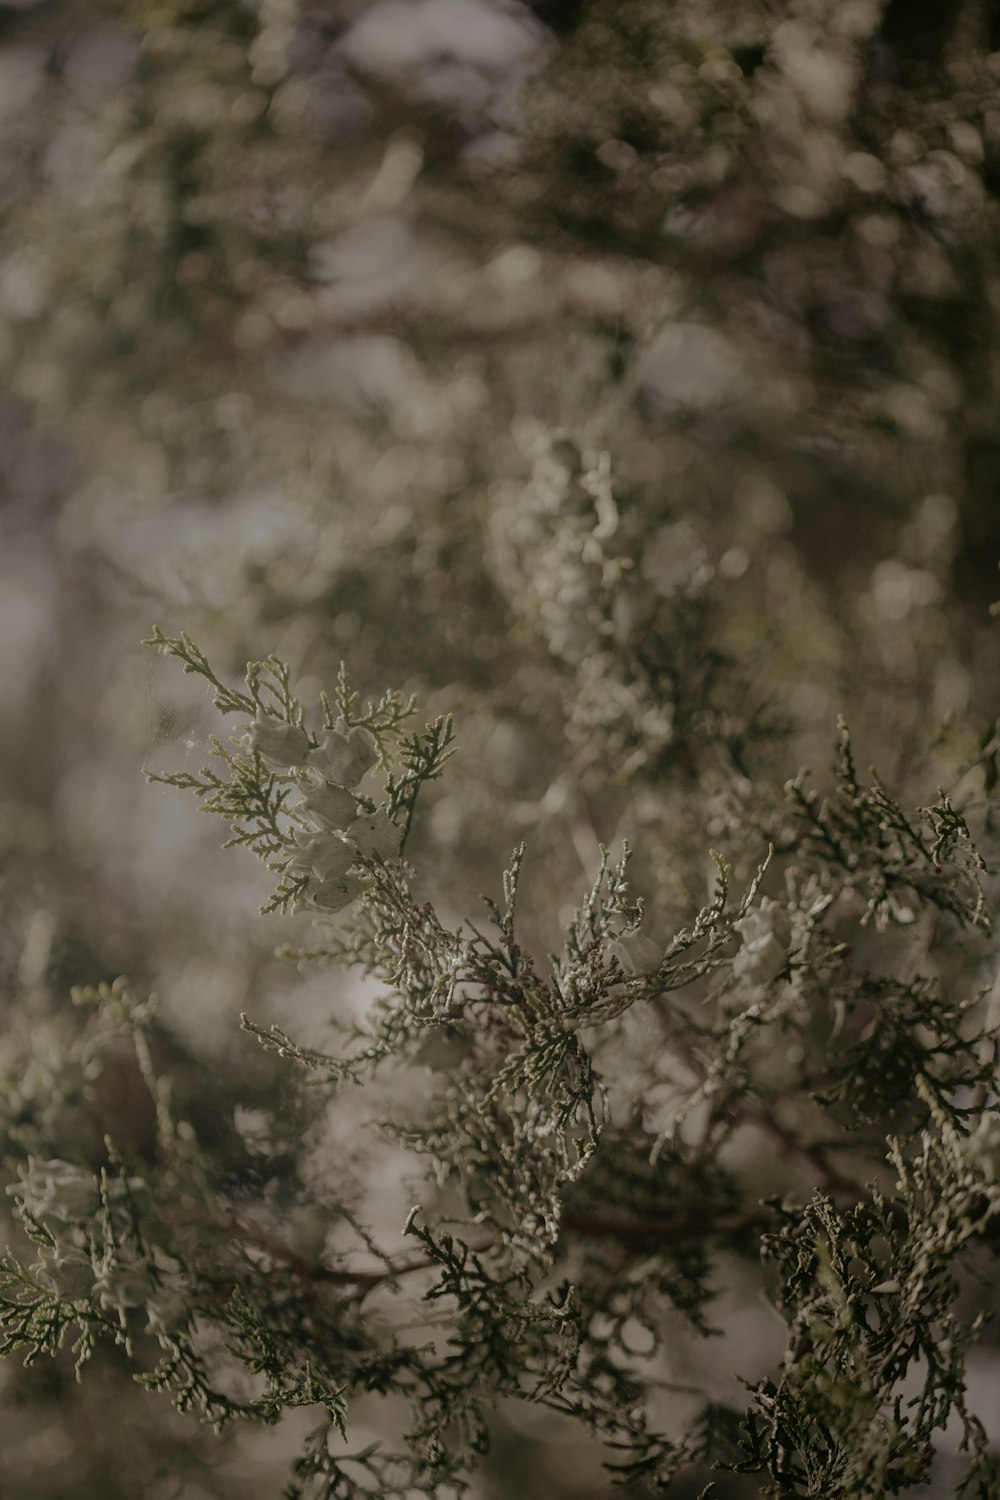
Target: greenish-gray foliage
[[667, 438], [555, 1233]]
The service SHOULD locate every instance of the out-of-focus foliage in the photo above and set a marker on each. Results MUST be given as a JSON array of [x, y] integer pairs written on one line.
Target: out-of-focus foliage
[[621, 378]]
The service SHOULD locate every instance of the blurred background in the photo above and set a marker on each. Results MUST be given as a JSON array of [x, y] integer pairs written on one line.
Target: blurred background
[[313, 315]]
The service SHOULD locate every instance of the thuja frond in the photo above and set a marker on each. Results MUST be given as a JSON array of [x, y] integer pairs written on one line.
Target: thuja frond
[[181, 1374], [422, 757], [575, 1124], [35, 1320], [382, 719], [503, 917], [901, 1032], [887, 857], [498, 1312], [313, 845], [227, 699], [273, 1039], [869, 1293]]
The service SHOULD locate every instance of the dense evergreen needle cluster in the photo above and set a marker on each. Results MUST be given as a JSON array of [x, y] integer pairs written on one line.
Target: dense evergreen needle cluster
[[619, 378], [574, 1124]]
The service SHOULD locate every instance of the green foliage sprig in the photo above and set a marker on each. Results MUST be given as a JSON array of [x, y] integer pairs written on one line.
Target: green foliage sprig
[[577, 1192]]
